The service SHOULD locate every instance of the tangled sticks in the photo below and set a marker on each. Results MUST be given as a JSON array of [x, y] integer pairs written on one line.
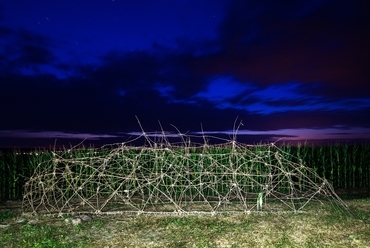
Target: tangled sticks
[[165, 178]]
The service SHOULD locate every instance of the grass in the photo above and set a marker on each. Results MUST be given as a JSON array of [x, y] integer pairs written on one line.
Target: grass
[[320, 226]]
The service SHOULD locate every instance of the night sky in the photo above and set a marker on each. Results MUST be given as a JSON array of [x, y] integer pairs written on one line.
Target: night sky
[[75, 70]]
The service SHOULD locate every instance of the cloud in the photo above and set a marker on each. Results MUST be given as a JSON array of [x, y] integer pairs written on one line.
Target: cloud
[[4, 31], [25, 52], [31, 54], [25, 134], [338, 133], [277, 67], [107, 97], [267, 42], [298, 97], [226, 92], [221, 89]]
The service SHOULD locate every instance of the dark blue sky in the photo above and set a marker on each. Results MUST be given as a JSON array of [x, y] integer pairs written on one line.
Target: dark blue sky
[[71, 70]]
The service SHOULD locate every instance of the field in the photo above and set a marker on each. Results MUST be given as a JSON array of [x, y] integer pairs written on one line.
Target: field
[[319, 226], [186, 195]]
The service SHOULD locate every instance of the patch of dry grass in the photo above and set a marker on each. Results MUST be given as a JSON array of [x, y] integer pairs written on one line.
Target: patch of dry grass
[[320, 226]]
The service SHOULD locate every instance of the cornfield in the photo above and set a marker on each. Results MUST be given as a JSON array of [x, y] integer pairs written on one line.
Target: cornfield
[[345, 166]]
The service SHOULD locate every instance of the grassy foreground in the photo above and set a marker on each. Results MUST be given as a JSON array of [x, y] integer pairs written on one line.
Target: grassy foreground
[[319, 226]]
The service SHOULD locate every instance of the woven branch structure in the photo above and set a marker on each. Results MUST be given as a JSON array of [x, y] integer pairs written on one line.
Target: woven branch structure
[[164, 178]]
